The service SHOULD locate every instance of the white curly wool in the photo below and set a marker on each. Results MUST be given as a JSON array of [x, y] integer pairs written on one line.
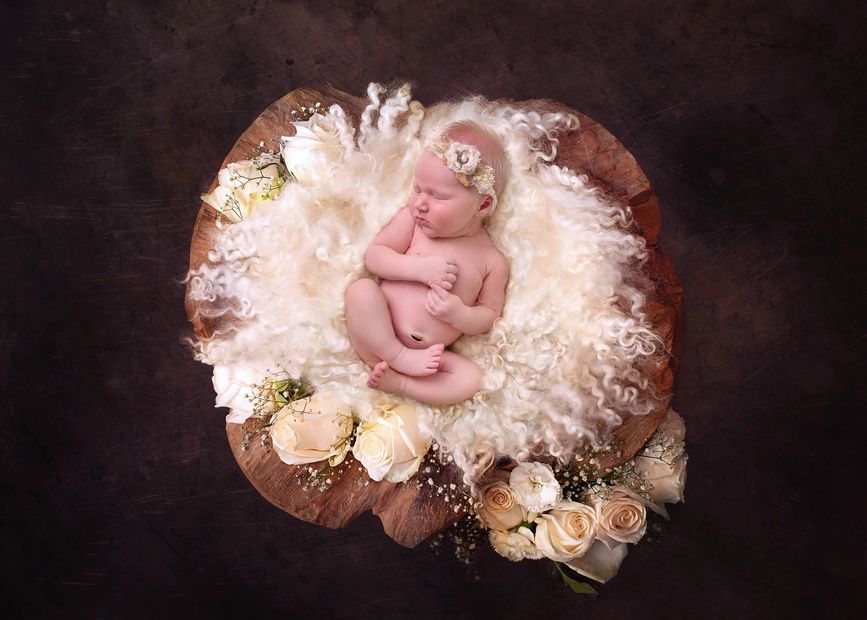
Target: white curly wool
[[563, 364]]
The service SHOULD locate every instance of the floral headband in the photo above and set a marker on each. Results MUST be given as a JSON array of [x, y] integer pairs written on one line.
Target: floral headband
[[465, 161]]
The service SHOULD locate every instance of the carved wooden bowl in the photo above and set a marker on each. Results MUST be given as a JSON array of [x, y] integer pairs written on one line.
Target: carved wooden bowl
[[412, 513]]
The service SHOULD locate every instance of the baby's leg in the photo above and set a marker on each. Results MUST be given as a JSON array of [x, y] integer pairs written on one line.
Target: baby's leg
[[458, 379], [372, 334]]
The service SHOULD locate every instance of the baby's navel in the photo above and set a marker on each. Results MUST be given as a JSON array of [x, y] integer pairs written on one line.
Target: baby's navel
[[416, 336]]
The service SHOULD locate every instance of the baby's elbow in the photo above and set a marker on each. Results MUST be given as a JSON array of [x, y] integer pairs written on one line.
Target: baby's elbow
[[490, 317], [370, 258]]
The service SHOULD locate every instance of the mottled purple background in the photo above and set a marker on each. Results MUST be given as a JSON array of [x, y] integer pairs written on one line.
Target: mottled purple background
[[120, 496]]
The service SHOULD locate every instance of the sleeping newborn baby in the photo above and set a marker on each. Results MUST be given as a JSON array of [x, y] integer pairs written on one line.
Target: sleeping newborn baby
[[441, 274]]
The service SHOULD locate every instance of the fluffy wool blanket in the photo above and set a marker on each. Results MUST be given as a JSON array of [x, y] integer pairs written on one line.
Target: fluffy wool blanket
[[563, 365]]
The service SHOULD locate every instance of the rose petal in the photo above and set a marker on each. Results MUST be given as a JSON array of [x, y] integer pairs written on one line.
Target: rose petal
[[600, 563], [233, 387]]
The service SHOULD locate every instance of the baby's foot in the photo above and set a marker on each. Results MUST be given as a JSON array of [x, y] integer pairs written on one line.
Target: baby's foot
[[376, 375], [385, 379], [418, 362]]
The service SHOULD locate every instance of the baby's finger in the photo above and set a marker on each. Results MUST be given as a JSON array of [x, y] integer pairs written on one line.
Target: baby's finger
[[440, 291]]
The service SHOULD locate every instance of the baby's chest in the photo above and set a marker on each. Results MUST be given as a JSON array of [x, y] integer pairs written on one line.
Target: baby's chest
[[470, 259]]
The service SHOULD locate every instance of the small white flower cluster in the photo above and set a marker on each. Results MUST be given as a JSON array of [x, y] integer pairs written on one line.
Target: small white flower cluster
[[528, 517], [307, 111]]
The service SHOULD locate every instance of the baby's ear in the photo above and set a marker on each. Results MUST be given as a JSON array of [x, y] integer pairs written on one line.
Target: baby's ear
[[485, 205]]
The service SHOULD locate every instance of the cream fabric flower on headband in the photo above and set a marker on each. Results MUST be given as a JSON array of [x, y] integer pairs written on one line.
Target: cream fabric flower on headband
[[465, 161], [463, 158]]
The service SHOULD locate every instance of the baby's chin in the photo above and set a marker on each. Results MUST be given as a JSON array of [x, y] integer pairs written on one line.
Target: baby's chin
[[426, 228]]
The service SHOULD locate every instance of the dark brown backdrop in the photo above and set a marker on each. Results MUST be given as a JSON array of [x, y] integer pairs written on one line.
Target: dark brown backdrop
[[120, 495]]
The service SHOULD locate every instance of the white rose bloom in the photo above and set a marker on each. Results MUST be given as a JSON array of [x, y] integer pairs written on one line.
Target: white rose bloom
[[315, 146], [535, 486], [668, 481], [515, 546], [599, 563], [233, 386], [664, 466], [567, 531], [313, 429], [462, 158], [391, 446]]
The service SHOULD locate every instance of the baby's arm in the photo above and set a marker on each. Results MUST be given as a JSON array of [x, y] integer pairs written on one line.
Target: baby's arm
[[386, 256], [479, 318]]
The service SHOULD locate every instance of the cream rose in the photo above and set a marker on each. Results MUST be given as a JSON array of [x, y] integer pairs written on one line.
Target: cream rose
[[515, 546], [664, 464], [499, 509], [391, 446], [315, 146], [567, 531], [622, 519], [535, 486], [668, 480], [600, 563], [313, 429], [233, 385]]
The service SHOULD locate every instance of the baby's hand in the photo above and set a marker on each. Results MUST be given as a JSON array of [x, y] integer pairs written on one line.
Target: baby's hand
[[440, 270], [443, 305]]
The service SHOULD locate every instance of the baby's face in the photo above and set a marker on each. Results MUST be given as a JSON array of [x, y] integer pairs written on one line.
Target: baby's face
[[440, 204]]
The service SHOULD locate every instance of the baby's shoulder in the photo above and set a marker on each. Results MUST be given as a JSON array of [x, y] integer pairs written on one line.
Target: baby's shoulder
[[494, 258]]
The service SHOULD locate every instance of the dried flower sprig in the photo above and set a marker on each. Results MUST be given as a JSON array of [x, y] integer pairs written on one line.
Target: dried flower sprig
[[464, 538], [277, 390], [268, 185], [306, 112]]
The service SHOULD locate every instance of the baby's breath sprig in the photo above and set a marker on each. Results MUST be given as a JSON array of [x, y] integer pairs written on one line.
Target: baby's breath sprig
[[663, 447], [230, 205], [464, 538], [270, 186], [276, 390], [306, 112], [320, 477], [583, 476]]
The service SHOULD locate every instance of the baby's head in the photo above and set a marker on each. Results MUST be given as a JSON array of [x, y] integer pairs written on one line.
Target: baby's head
[[490, 149], [458, 179]]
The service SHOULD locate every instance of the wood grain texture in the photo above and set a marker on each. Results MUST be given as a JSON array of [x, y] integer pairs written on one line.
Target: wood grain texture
[[410, 513]]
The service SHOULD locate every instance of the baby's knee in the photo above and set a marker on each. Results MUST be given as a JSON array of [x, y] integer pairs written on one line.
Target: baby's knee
[[474, 375], [468, 373], [361, 289]]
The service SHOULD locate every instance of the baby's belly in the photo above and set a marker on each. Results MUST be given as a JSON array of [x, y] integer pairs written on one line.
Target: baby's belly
[[413, 325]]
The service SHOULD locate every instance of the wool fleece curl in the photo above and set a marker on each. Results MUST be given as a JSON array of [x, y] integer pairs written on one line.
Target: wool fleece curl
[[561, 367]]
